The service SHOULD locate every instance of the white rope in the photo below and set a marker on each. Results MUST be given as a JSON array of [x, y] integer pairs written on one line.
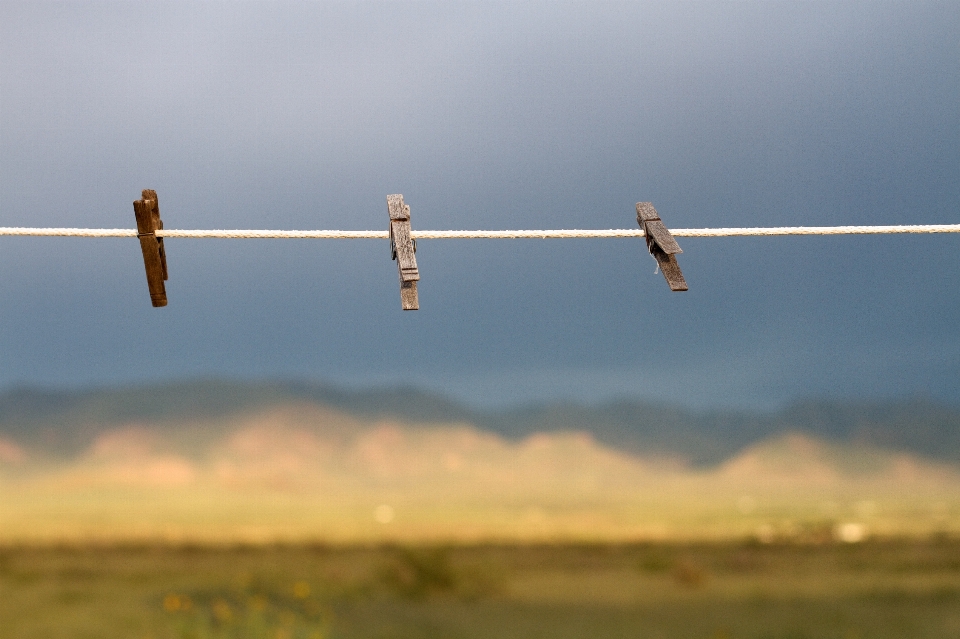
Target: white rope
[[819, 230], [316, 235], [70, 232], [436, 235]]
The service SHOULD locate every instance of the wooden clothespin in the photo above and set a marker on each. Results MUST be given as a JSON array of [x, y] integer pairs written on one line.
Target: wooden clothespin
[[403, 248], [147, 211], [661, 245]]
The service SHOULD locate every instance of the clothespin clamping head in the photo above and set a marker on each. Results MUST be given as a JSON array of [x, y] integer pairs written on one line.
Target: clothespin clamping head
[[147, 211], [661, 244], [403, 249]]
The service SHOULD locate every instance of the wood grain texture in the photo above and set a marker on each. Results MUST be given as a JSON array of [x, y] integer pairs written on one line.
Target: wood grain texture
[[662, 245], [408, 296], [403, 247], [150, 194], [645, 211], [403, 251], [649, 220], [658, 233], [671, 271], [147, 212], [396, 208]]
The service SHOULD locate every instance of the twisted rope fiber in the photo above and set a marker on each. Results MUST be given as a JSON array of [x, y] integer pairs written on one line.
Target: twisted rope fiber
[[437, 235]]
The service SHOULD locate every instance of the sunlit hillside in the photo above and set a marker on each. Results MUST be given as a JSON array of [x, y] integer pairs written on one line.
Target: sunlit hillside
[[294, 470]]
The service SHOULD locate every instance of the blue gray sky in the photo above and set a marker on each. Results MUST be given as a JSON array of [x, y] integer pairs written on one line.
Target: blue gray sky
[[487, 116]]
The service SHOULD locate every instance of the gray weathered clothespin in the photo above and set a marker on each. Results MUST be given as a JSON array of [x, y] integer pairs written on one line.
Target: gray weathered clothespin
[[147, 211], [403, 248], [661, 245]]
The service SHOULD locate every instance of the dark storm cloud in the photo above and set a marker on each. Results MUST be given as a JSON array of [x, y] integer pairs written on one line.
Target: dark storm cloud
[[514, 115]]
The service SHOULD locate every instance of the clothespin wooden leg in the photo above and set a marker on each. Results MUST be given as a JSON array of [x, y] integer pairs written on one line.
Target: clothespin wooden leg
[[403, 249], [661, 244], [147, 211]]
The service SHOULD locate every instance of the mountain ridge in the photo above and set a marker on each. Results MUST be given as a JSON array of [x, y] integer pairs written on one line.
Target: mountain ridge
[[67, 421]]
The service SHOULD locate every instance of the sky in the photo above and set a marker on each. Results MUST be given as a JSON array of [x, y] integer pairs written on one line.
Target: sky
[[487, 116]]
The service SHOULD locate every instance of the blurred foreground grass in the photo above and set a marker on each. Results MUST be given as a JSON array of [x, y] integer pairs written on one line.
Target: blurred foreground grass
[[873, 589]]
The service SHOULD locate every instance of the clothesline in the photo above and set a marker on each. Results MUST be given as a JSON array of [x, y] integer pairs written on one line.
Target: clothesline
[[660, 241], [437, 235]]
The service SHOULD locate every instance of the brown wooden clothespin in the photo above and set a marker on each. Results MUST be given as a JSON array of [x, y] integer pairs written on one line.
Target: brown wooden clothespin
[[147, 211], [661, 245], [403, 248]]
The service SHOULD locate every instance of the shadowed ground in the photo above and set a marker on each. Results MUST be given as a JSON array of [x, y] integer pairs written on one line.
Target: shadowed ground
[[890, 589]]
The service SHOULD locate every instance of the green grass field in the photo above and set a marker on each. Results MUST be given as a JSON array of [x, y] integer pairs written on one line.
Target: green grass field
[[734, 590]]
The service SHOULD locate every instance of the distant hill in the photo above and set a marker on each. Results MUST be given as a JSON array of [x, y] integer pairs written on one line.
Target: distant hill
[[280, 467], [65, 422], [802, 459]]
